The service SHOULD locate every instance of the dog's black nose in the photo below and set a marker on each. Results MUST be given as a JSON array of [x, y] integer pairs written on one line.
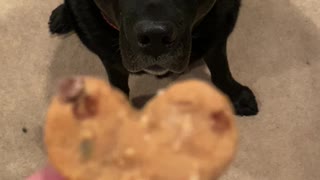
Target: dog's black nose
[[155, 38]]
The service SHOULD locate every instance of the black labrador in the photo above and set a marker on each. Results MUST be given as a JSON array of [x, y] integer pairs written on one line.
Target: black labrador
[[158, 37]]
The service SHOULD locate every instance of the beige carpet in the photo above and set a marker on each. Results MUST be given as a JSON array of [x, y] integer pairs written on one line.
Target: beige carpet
[[275, 50]]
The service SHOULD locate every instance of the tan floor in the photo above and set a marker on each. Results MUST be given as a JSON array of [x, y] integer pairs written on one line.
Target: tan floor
[[275, 49]]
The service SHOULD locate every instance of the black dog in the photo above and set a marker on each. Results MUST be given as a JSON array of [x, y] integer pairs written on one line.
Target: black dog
[[157, 37]]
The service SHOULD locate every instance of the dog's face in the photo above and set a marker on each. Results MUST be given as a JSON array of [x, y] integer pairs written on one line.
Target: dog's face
[[155, 35]]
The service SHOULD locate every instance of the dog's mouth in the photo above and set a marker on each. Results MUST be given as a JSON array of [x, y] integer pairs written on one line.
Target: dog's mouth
[[175, 61], [156, 70]]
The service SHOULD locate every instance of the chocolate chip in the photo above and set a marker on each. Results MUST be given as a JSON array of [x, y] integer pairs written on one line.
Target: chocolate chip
[[86, 107], [220, 121], [86, 149], [72, 90]]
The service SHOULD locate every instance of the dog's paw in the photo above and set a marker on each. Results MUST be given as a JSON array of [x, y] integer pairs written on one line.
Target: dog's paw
[[58, 23], [244, 102]]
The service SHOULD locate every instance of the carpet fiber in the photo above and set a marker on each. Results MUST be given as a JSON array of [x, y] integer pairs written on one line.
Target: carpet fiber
[[275, 50]]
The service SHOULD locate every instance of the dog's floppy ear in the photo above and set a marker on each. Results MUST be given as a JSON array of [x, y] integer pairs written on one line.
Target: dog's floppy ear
[[203, 9], [110, 10]]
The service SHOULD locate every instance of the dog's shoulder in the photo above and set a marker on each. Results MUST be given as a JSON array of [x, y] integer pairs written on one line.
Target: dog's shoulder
[[83, 10], [90, 26], [215, 26], [221, 12]]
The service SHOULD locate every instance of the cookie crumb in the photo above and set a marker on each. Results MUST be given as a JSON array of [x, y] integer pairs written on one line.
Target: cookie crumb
[[147, 137], [129, 152], [87, 134], [144, 121], [133, 175], [194, 176], [187, 126]]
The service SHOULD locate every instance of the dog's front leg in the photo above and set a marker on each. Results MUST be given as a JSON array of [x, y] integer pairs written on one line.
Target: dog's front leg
[[117, 74], [241, 96]]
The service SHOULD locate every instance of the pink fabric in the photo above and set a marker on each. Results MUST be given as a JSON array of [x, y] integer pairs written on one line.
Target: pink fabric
[[47, 173]]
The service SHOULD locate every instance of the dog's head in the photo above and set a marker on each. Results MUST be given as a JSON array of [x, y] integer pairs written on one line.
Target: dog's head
[[155, 35]]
